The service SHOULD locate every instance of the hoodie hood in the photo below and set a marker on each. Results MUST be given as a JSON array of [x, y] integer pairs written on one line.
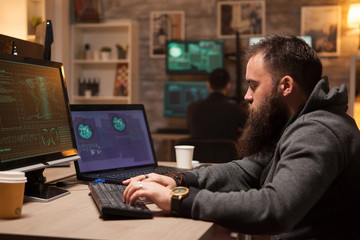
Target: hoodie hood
[[323, 98]]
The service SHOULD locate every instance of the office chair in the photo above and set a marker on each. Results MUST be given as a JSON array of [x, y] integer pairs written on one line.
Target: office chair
[[211, 150]]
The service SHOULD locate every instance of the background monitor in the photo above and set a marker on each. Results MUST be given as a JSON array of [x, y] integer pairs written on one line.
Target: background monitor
[[307, 39], [178, 96], [194, 57], [254, 40], [35, 122]]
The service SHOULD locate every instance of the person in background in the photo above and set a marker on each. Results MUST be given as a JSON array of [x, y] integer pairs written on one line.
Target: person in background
[[216, 116], [299, 175]]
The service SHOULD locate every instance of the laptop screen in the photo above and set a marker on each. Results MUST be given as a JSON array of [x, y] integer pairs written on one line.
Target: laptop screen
[[111, 139]]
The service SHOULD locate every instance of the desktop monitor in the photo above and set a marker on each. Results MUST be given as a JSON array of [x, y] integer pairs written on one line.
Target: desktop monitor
[[178, 96], [194, 57], [35, 122], [15, 46], [254, 40]]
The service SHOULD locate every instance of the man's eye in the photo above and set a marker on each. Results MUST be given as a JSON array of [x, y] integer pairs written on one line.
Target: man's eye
[[252, 86]]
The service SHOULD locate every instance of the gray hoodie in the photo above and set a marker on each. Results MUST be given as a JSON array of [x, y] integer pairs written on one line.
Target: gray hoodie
[[308, 188]]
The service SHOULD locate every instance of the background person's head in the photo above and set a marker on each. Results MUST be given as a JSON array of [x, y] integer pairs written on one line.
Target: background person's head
[[219, 81], [289, 55]]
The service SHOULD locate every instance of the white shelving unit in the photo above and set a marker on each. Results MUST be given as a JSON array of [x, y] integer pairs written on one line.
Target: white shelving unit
[[105, 71]]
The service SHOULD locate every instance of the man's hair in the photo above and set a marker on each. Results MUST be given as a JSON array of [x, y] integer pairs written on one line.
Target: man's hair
[[218, 79], [286, 55]]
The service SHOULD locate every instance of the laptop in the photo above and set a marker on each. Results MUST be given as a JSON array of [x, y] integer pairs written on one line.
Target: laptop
[[114, 143]]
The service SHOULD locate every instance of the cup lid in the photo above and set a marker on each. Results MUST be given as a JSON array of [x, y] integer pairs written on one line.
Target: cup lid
[[184, 146], [12, 177]]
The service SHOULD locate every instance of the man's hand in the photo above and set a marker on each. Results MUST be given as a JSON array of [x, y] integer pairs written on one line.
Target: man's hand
[[154, 187], [153, 177]]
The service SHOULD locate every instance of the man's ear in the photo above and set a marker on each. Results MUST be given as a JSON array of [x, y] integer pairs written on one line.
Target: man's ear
[[286, 85], [228, 87]]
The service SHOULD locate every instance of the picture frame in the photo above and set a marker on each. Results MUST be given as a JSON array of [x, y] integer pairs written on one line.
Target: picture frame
[[88, 11], [323, 24], [165, 25], [245, 17]]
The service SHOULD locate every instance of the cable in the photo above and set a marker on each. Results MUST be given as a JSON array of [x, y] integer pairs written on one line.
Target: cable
[[65, 184]]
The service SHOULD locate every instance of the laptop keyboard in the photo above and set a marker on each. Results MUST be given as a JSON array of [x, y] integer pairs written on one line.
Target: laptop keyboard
[[108, 198], [129, 174]]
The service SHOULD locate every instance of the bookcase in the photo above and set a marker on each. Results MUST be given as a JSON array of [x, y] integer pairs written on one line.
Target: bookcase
[[104, 63]]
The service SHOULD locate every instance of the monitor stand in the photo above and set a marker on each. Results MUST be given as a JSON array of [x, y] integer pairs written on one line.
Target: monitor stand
[[37, 190]]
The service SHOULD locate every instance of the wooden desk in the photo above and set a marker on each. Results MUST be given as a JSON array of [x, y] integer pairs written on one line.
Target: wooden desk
[[168, 136], [75, 216]]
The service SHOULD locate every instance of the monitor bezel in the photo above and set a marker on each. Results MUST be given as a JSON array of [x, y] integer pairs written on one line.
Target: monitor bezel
[[33, 163], [195, 72]]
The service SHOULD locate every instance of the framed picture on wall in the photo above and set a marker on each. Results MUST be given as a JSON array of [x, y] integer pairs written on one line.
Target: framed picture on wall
[[245, 17], [88, 11], [165, 25], [323, 24]]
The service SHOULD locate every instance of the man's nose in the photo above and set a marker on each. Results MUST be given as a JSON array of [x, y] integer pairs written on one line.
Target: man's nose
[[248, 97]]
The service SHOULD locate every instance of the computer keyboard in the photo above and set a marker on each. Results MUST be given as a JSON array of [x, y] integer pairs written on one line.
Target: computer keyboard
[[108, 198]]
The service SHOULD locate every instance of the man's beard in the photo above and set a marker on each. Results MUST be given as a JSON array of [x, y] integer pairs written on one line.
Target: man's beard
[[264, 126]]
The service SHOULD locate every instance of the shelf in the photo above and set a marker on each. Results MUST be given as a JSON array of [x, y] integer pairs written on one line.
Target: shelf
[[109, 24], [119, 69], [111, 61], [102, 99]]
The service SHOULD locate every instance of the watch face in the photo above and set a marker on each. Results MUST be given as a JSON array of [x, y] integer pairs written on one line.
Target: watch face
[[180, 191]]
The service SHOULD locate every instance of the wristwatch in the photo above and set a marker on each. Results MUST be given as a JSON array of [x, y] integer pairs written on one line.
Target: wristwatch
[[177, 194]]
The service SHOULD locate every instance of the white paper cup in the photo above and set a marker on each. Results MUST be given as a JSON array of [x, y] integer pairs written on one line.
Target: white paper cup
[[184, 155], [12, 186]]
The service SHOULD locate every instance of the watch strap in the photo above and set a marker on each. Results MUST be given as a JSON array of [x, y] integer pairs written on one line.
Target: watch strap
[[175, 205]]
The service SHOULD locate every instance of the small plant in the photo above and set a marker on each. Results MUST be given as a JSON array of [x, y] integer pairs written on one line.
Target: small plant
[[106, 49]]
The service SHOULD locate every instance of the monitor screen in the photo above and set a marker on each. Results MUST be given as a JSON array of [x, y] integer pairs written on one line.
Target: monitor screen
[[35, 122], [178, 96], [194, 57], [254, 40]]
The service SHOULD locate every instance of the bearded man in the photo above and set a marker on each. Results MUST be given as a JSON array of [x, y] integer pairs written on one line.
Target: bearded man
[[299, 176]]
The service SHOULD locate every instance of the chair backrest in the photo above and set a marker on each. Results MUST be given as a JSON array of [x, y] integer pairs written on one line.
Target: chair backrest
[[212, 150]]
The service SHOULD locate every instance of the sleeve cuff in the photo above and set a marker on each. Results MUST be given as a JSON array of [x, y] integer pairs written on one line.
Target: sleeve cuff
[[191, 180], [186, 203]]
